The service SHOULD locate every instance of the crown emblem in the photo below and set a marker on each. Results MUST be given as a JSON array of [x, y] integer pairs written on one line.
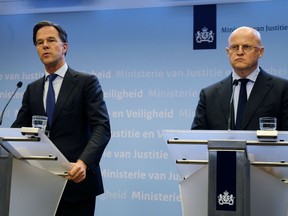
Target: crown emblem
[[204, 35], [226, 199]]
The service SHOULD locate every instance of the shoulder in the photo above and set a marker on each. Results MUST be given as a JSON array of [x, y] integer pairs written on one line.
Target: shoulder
[[80, 75], [75, 73], [263, 75], [37, 83], [224, 83]]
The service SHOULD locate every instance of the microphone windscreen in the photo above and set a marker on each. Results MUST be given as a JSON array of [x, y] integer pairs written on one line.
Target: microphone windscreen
[[19, 84], [235, 82]]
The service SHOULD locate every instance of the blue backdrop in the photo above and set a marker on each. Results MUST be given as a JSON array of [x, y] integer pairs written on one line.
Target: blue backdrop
[[151, 78]]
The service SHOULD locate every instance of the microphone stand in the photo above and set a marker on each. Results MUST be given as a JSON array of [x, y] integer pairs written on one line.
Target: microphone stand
[[234, 84], [19, 85]]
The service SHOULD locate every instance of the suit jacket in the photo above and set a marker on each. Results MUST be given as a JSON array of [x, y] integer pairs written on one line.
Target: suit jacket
[[80, 127], [268, 98]]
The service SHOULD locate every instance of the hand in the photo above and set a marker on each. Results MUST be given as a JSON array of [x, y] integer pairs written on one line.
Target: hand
[[77, 172]]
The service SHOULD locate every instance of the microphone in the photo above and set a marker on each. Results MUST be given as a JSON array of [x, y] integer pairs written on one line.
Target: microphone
[[19, 85], [234, 84]]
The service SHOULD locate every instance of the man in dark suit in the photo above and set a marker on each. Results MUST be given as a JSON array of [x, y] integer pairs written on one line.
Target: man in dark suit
[[267, 95], [80, 126]]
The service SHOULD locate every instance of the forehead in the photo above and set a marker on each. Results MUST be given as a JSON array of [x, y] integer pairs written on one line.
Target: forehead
[[47, 31], [243, 37]]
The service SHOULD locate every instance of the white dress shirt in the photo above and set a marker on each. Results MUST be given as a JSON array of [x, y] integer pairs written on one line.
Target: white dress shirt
[[252, 78], [56, 83]]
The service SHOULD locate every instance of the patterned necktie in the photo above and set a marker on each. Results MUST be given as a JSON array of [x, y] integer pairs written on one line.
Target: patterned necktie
[[50, 100], [241, 103]]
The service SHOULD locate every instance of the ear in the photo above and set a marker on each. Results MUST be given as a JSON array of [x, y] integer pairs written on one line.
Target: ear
[[65, 48], [261, 52], [227, 50]]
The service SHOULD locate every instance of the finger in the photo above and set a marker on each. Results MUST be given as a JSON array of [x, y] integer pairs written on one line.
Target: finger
[[74, 170], [78, 176]]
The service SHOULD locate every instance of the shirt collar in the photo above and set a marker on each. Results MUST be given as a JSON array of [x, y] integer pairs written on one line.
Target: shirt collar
[[60, 72], [252, 76]]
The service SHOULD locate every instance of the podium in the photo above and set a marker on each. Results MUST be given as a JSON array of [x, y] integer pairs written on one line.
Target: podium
[[230, 173], [31, 174]]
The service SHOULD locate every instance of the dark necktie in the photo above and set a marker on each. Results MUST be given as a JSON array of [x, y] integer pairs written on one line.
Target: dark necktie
[[241, 103], [50, 100]]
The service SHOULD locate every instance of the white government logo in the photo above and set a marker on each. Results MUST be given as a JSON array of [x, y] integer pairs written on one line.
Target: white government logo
[[226, 199], [205, 36]]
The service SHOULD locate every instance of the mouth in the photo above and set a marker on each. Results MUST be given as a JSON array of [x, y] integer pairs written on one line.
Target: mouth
[[239, 59], [46, 54]]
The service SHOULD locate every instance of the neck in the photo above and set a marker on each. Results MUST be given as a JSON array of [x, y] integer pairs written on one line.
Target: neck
[[244, 73], [53, 68]]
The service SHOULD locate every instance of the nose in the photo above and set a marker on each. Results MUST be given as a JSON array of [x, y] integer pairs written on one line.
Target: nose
[[45, 43], [240, 50]]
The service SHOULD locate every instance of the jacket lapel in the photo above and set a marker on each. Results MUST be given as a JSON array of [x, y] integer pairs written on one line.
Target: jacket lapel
[[65, 91], [224, 94], [262, 86], [38, 98]]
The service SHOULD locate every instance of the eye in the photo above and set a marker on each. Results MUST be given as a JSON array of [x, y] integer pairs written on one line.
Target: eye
[[247, 47], [39, 42], [51, 40], [234, 47]]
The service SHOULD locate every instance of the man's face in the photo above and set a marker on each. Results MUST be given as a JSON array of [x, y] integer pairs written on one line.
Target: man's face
[[50, 48], [243, 51]]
